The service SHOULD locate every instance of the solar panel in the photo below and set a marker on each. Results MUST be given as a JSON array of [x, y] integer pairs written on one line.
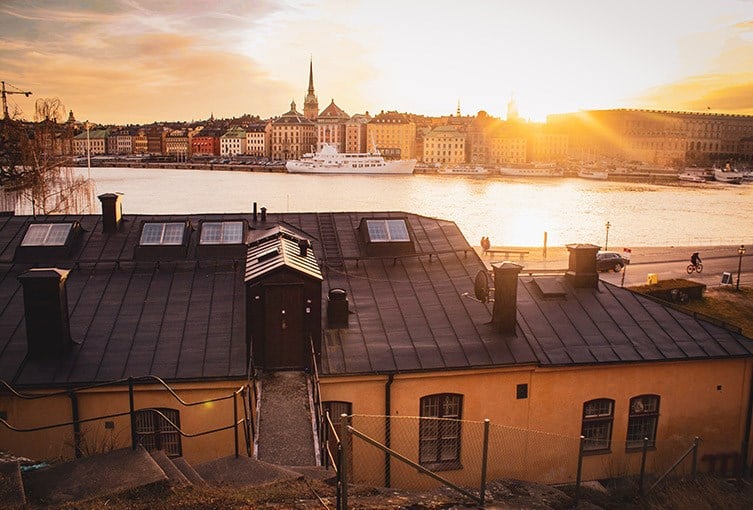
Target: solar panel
[[221, 232], [382, 231], [158, 233]]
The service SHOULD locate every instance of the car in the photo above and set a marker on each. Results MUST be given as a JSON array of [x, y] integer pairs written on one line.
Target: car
[[606, 260]]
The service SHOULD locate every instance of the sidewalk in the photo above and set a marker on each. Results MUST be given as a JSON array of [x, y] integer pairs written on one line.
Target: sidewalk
[[556, 257]]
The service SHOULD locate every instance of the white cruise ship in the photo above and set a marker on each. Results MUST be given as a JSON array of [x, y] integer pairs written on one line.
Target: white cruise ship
[[329, 161]]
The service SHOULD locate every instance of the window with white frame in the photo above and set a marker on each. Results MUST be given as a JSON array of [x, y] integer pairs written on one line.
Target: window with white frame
[[642, 421], [598, 417], [221, 232], [162, 233], [47, 234], [439, 433]]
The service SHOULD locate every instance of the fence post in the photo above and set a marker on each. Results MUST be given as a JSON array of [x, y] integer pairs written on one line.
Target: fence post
[[338, 476], [484, 460], [694, 460], [235, 422], [134, 439], [344, 461], [580, 468], [643, 465]]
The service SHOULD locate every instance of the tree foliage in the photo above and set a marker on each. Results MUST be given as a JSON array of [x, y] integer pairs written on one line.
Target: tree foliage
[[35, 163]]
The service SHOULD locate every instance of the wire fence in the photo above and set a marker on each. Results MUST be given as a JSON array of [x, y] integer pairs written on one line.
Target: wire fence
[[455, 450]]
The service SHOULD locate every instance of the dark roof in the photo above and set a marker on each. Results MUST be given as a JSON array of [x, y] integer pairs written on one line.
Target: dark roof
[[332, 111], [185, 319]]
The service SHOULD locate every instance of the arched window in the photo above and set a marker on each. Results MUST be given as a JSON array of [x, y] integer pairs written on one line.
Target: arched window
[[643, 419], [598, 416], [439, 431], [154, 432]]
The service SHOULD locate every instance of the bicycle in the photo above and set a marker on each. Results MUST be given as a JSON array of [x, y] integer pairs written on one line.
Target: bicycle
[[695, 267]]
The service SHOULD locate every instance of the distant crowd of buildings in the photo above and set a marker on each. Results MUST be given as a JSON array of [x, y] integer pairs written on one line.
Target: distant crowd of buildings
[[667, 138]]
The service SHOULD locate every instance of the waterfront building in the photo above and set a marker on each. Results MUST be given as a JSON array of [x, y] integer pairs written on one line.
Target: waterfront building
[[355, 133], [293, 135], [140, 141], [233, 142], [508, 148], [330, 127], [258, 139], [657, 137], [93, 143], [206, 142], [394, 135], [155, 139], [547, 146], [120, 142], [310, 102], [178, 143], [444, 145]]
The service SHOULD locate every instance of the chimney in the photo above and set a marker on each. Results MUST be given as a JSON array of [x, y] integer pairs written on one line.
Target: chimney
[[263, 214], [46, 310], [303, 246], [255, 215], [581, 272], [112, 211], [337, 308], [505, 296]]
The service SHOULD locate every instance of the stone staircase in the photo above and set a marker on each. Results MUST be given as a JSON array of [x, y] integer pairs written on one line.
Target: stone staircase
[[286, 451]]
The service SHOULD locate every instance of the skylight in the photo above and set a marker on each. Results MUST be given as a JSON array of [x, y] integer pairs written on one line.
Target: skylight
[[162, 234], [221, 232], [51, 234], [384, 231]]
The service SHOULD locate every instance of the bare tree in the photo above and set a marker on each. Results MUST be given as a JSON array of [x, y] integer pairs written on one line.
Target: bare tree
[[35, 163]]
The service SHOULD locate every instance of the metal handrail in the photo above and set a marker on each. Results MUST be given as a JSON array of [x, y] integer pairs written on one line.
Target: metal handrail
[[47, 427]]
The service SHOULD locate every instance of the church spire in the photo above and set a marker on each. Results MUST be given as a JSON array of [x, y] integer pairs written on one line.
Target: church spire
[[311, 103]]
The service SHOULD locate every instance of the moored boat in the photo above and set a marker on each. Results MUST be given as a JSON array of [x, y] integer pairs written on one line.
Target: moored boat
[[691, 177], [593, 173], [462, 170], [728, 175], [531, 170], [329, 161]]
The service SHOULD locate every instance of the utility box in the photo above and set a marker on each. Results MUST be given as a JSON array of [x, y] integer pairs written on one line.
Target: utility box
[[652, 279], [726, 278]]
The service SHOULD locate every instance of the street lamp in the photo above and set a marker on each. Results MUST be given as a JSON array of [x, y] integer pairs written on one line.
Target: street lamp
[[88, 149], [740, 252], [606, 241]]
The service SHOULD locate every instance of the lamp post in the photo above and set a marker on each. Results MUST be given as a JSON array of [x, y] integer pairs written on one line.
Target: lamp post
[[740, 253], [606, 241], [88, 149]]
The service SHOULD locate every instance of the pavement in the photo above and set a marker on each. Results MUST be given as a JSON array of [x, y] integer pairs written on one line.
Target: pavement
[[555, 258]]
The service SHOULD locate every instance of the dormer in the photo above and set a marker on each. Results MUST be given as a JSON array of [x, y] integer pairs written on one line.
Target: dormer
[[163, 240], [386, 237], [224, 239], [46, 242]]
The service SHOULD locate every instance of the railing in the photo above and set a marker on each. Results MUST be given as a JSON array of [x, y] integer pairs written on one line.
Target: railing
[[317, 398], [241, 392]]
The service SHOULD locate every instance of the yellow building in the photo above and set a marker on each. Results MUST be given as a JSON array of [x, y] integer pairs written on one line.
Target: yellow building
[[293, 135], [444, 145], [394, 134]]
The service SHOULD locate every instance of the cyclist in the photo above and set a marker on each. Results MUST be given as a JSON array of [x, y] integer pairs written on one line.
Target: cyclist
[[695, 259]]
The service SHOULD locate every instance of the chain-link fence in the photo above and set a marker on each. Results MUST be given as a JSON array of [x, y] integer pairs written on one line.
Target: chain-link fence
[[456, 449]]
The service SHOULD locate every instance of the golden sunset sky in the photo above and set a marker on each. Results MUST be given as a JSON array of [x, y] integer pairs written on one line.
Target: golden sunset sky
[[139, 61]]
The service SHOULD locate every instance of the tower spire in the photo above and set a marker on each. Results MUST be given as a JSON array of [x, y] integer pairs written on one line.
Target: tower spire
[[311, 103]]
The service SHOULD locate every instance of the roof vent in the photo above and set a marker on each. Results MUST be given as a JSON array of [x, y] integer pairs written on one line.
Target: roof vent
[[112, 212], [337, 308], [46, 310]]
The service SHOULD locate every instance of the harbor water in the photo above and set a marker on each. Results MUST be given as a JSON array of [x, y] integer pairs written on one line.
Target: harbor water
[[510, 211]]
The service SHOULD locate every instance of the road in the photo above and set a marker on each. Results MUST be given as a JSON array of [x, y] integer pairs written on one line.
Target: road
[[713, 268]]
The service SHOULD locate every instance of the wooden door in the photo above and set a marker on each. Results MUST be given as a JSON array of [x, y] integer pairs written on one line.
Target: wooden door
[[284, 341]]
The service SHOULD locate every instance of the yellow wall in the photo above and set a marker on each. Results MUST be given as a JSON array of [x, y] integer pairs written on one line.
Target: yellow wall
[[58, 443], [537, 438]]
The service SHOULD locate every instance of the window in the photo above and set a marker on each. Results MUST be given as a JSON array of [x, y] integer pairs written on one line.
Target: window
[[387, 230], [598, 416], [155, 433], [644, 416], [221, 232], [439, 431], [52, 234], [162, 234]]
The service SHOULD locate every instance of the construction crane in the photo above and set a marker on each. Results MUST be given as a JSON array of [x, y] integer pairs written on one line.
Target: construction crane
[[5, 100]]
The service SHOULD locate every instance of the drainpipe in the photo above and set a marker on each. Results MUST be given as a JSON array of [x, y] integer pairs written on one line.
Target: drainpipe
[[76, 424], [746, 438], [387, 433]]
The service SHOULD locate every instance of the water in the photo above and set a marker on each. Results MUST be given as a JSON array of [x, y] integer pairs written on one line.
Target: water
[[511, 211]]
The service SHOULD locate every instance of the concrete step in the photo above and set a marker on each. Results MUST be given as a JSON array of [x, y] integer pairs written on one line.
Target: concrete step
[[189, 472], [244, 471], [92, 477], [314, 472], [286, 434], [11, 485], [174, 474]]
